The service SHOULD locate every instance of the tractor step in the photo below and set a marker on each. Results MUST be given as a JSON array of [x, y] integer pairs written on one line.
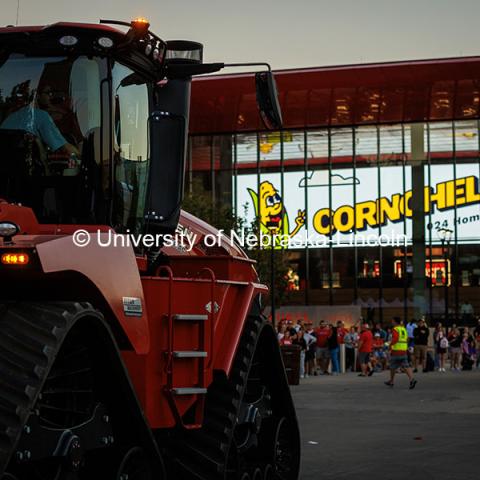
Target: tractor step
[[189, 354], [188, 390], [190, 318]]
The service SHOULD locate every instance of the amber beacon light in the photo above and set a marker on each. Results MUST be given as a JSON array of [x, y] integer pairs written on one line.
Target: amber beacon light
[[15, 259]]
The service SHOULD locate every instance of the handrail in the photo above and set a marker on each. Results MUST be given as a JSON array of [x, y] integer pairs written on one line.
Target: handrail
[[212, 312], [170, 333]]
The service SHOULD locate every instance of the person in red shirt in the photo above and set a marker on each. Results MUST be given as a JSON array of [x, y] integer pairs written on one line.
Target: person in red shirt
[[322, 353], [365, 349], [341, 332], [287, 339], [379, 357]]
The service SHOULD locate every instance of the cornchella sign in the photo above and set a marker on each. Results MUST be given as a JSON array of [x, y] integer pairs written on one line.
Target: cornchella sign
[[370, 204], [374, 213]]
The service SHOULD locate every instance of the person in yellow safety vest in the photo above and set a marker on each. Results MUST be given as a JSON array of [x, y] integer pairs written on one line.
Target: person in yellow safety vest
[[398, 353]]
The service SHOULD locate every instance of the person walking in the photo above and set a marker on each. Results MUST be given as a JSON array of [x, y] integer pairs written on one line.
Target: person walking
[[398, 354]]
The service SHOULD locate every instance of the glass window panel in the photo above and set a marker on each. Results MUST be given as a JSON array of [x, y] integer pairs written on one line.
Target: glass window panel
[[392, 143], [441, 138], [395, 188], [317, 147], [441, 201], [342, 142], [131, 145], [246, 149], [466, 136], [366, 144]]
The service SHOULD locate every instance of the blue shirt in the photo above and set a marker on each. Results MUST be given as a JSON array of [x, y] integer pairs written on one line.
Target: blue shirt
[[37, 122]]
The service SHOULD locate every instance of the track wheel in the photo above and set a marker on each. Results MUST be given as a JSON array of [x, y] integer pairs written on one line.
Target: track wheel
[[283, 450], [134, 466], [245, 476], [269, 473], [257, 474]]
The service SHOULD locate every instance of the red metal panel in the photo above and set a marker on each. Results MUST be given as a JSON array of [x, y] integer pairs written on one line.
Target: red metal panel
[[113, 270], [189, 296], [37, 28]]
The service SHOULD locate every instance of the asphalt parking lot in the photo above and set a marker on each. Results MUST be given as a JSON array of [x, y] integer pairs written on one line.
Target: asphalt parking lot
[[357, 428]]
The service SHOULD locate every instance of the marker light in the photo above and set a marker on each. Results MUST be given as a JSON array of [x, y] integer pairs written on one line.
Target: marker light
[[15, 259], [141, 26], [68, 41]]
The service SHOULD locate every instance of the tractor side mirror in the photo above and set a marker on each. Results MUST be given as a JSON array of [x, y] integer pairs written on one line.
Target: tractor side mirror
[[167, 171], [267, 99]]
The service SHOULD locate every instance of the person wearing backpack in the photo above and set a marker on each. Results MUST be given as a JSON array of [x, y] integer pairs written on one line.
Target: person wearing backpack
[[441, 342]]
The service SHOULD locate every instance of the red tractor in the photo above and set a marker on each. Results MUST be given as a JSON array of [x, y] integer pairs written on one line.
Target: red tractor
[[124, 359]]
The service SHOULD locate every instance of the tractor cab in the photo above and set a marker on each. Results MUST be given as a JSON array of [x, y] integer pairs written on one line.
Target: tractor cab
[[75, 103], [94, 123]]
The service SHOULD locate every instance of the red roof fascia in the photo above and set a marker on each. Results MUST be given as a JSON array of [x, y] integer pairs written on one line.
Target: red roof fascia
[[414, 91]]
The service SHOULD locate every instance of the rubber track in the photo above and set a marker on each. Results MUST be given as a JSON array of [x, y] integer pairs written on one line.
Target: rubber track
[[202, 454], [31, 335], [27, 352]]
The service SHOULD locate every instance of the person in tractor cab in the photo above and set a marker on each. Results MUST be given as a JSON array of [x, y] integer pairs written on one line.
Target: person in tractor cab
[[35, 120]]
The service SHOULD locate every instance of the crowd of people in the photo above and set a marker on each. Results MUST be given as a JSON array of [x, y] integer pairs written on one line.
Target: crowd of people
[[370, 349]]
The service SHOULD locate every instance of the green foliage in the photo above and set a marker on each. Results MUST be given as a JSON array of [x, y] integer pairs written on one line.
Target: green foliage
[[198, 202], [263, 257]]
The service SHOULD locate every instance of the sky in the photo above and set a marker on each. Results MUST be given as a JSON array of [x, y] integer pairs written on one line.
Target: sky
[[287, 34]]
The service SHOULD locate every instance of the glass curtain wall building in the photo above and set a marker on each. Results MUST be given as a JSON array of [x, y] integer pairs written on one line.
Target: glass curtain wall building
[[378, 213]]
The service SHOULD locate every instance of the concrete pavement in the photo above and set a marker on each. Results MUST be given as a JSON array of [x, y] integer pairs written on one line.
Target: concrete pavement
[[357, 428]]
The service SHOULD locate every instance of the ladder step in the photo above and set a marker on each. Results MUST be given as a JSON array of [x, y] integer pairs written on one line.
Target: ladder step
[[191, 318], [189, 354], [189, 390]]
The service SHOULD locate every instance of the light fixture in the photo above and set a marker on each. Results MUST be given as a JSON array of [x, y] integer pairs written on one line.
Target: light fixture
[[8, 230], [68, 41], [105, 42], [445, 234]]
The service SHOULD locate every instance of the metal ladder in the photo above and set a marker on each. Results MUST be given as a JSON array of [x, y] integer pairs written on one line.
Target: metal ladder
[[206, 325]]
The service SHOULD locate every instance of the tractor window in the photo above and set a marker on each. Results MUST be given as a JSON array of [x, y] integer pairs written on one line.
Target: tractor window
[[50, 136], [131, 107]]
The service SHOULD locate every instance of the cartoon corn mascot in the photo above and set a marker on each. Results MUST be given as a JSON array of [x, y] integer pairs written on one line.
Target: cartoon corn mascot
[[271, 212]]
